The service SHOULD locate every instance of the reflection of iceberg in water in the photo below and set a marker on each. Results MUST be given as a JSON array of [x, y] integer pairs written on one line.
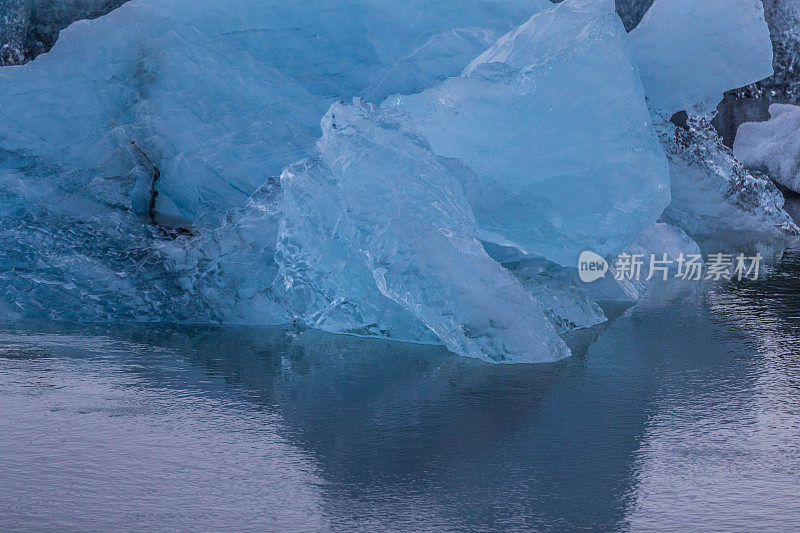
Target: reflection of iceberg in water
[[114, 432], [383, 432], [726, 435], [397, 433]]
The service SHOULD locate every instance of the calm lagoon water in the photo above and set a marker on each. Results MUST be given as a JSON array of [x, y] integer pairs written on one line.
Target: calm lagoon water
[[683, 412]]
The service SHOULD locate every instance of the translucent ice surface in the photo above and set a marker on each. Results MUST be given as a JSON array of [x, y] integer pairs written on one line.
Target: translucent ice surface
[[660, 242], [552, 118], [564, 299], [690, 52], [377, 232], [230, 270], [139, 158], [166, 162], [219, 96], [717, 201], [213, 117]]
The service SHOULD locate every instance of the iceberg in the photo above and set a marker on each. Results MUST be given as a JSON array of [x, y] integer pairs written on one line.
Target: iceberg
[[773, 147], [377, 232], [553, 121], [30, 27], [214, 119], [181, 172], [689, 52], [168, 118], [219, 96], [715, 200]]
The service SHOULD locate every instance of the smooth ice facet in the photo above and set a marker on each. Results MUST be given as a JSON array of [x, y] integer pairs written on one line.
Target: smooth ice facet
[[552, 119], [690, 52]]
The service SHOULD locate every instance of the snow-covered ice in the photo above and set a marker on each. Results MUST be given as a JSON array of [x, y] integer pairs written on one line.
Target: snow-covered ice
[[773, 146]]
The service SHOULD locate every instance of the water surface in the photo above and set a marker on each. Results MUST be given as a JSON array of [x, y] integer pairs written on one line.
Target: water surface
[[684, 410]]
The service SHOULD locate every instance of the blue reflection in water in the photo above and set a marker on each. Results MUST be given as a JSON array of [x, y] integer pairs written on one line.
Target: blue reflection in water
[[685, 408]]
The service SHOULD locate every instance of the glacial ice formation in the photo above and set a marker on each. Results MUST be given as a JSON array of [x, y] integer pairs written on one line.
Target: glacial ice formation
[[690, 52], [750, 103], [506, 118], [783, 19], [166, 162], [378, 227], [715, 200], [219, 96], [66, 255], [773, 147], [30, 27], [213, 118]]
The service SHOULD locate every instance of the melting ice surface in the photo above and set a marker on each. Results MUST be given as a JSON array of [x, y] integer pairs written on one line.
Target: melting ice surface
[[193, 162]]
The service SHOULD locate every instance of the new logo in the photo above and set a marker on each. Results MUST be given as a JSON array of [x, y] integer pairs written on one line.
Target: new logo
[[591, 266]]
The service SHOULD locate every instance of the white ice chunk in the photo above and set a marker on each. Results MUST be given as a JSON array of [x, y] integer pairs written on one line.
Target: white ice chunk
[[553, 120], [715, 199], [773, 147], [690, 52]]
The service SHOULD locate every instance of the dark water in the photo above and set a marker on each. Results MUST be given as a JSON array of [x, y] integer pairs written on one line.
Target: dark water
[[683, 414]]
